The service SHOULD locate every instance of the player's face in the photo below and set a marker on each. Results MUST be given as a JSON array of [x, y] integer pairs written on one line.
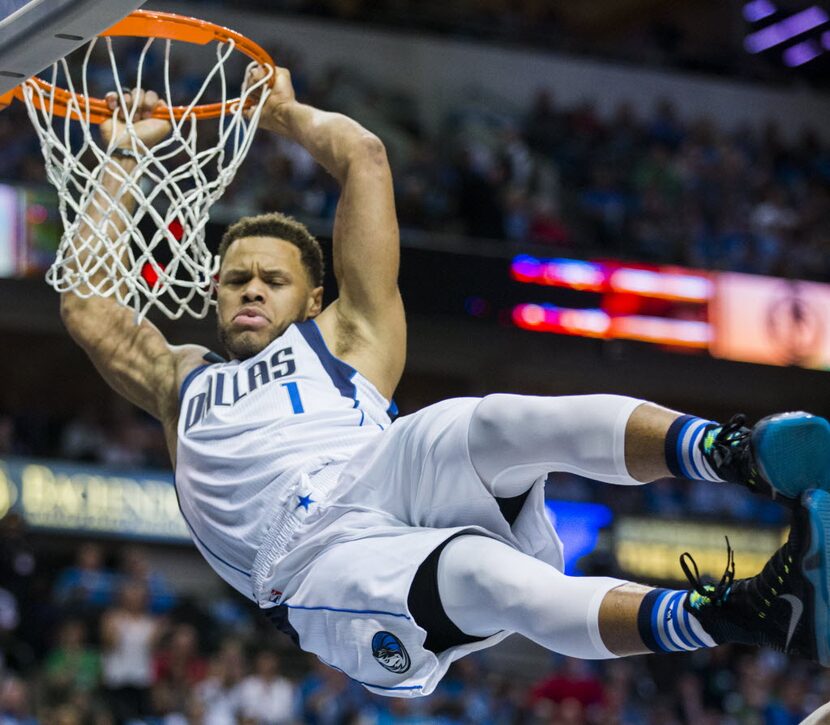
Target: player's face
[[263, 288]]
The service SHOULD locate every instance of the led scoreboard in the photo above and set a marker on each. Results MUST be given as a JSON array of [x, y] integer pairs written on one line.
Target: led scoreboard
[[732, 316]]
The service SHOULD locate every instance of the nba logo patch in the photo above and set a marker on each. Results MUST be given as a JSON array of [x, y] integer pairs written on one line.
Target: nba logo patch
[[275, 595], [390, 653]]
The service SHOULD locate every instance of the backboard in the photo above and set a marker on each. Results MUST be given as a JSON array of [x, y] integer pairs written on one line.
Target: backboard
[[36, 33]]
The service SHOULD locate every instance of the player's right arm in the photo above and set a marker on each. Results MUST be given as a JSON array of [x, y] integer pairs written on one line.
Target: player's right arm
[[134, 359]]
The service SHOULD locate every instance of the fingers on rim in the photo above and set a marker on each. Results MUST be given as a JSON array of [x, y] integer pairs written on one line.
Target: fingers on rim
[[252, 74], [256, 72], [146, 102]]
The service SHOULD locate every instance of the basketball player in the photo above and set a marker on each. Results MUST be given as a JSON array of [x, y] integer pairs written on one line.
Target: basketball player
[[391, 549]]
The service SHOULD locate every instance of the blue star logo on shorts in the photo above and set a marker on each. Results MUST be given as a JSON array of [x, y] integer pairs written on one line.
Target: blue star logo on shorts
[[389, 652], [305, 501]]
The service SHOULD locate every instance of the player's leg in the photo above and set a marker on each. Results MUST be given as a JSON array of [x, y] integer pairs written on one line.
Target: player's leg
[[485, 586], [514, 439]]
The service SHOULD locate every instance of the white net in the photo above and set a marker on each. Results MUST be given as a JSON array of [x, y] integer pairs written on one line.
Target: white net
[[155, 256]]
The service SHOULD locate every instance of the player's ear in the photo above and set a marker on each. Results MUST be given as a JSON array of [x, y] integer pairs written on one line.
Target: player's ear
[[315, 302]]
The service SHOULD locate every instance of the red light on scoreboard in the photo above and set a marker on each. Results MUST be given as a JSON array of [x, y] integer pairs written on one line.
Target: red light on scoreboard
[[733, 316], [599, 324], [660, 305], [662, 331], [665, 283]]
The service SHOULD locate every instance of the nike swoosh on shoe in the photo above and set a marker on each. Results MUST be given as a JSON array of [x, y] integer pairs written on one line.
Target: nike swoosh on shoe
[[797, 609]]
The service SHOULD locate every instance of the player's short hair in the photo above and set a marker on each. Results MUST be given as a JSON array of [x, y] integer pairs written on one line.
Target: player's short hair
[[280, 226]]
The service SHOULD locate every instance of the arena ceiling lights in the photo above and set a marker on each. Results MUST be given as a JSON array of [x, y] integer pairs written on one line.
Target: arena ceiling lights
[[800, 36]]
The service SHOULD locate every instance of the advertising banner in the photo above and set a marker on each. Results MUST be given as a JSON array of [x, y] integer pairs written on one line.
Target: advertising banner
[[771, 321], [64, 497], [649, 549]]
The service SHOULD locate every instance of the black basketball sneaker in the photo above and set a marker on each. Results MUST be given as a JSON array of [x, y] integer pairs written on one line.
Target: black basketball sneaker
[[781, 456], [786, 606]]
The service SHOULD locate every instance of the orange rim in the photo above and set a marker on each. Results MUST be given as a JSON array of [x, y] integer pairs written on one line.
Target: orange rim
[[152, 24]]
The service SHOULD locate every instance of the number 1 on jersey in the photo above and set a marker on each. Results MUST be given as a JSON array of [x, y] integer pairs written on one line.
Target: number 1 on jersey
[[294, 397]]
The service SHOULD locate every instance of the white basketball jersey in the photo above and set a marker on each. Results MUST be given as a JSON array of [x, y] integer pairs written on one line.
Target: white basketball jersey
[[254, 435]]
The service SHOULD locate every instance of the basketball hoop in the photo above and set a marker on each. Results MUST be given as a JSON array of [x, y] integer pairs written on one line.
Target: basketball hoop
[[174, 183]]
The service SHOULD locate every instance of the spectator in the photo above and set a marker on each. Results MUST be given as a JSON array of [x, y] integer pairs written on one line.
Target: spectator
[[546, 224], [773, 222], [129, 634], [573, 682], [168, 705], [328, 697], [219, 693], [20, 625], [15, 702], [545, 126], [479, 177], [72, 665], [266, 697], [180, 664], [87, 586], [83, 438], [126, 440], [135, 566], [66, 715], [606, 208]]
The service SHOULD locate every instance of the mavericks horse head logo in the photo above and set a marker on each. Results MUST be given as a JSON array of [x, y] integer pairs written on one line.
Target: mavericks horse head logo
[[389, 652]]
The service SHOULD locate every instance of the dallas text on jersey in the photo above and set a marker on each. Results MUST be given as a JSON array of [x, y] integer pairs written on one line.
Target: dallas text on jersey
[[227, 390]]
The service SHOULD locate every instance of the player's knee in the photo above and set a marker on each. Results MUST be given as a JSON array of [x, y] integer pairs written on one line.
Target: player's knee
[[493, 424], [487, 586], [487, 572]]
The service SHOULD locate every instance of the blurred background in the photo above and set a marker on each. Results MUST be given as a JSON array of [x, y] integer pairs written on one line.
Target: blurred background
[[625, 196]]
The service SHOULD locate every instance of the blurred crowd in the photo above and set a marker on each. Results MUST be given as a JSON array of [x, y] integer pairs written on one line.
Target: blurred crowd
[[106, 639], [704, 37], [116, 435], [644, 184]]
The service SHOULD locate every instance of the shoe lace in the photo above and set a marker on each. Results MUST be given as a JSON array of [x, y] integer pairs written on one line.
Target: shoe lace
[[708, 593], [722, 447]]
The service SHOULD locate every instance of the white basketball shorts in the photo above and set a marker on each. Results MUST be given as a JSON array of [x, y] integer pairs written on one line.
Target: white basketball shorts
[[343, 588]]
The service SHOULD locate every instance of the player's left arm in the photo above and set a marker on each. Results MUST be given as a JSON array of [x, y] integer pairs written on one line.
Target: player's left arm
[[366, 324]]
